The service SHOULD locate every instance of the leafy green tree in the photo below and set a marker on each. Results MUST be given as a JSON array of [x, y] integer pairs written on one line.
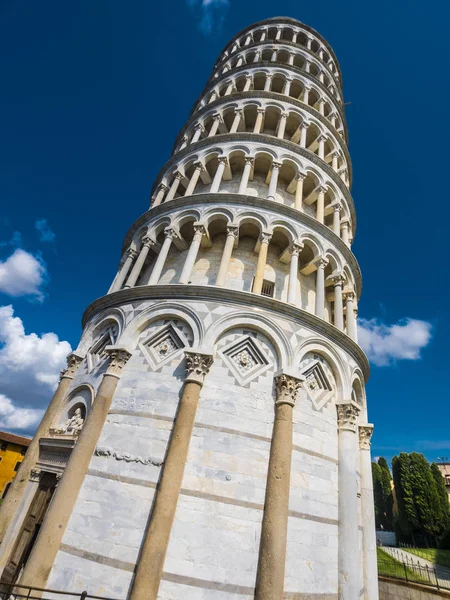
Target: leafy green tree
[[377, 495], [407, 520], [388, 498], [426, 498], [443, 497]]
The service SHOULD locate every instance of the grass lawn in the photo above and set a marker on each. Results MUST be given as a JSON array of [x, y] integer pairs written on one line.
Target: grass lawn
[[390, 567], [439, 557]]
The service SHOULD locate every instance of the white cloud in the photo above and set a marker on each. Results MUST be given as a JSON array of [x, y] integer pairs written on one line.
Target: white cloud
[[12, 417], [385, 344], [45, 233], [211, 14], [22, 274], [29, 370]]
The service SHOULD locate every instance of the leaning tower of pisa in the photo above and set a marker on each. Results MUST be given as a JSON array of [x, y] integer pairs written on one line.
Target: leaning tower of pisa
[[209, 438]]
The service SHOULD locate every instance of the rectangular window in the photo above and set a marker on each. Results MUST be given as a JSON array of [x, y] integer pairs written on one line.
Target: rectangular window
[[22, 452], [268, 288], [4, 446], [16, 468]]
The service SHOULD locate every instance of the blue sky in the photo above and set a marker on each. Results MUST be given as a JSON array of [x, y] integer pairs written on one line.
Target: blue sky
[[93, 95]]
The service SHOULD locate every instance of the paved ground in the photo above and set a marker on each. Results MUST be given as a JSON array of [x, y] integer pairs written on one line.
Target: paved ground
[[443, 573]]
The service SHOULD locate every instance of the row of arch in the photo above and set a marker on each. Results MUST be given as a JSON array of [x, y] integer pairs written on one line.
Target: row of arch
[[280, 54], [269, 117], [242, 252], [286, 33], [262, 172]]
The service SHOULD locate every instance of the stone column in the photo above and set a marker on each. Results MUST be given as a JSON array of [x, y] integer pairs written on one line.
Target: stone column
[[237, 119], [274, 55], [248, 83], [153, 552], [368, 515], [215, 126], [291, 58], [198, 129], [214, 93], [278, 36], [264, 238], [268, 83], [259, 120], [147, 243], [303, 131], [332, 120], [131, 255], [299, 191], [218, 175], [170, 233], [199, 232], [174, 187], [257, 56], [337, 219], [193, 182], [334, 161], [282, 125], [272, 549], [240, 61], [160, 195], [320, 288], [287, 86], [355, 316], [338, 282], [322, 106], [273, 180], [320, 208], [348, 553], [293, 273], [351, 321], [263, 35], [245, 175], [42, 557], [345, 232], [321, 141], [306, 95], [309, 42], [232, 233], [10, 503]]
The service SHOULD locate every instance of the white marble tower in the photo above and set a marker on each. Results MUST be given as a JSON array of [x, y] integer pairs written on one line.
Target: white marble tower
[[209, 438]]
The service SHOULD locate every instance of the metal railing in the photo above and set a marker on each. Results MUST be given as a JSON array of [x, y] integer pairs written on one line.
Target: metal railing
[[442, 557], [11, 591]]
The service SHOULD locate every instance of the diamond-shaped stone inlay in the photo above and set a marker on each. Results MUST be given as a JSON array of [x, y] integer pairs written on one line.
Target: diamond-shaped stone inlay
[[163, 345], [317, 385], [245, 359]]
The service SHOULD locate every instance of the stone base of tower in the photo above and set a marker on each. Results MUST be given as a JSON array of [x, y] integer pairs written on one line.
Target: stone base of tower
[[215, 539]]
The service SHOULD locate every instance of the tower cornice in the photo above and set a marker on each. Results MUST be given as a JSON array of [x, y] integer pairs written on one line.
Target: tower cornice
[[234, 297]]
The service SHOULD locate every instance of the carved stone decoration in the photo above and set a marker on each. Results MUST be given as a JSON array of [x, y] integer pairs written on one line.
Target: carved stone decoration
[[35, 475], [365, 434], [97, 353], [317, 386], [123, 456], [73, 362], [287, 387], [197, 366], [118, 359], [347, 416], [245, 359], [73, 425], [163, 346]]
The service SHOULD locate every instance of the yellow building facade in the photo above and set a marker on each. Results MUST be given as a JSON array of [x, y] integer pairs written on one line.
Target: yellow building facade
[[12, 451]]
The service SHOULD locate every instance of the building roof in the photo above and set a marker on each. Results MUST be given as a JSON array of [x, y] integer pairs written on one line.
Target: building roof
[[14, 439]]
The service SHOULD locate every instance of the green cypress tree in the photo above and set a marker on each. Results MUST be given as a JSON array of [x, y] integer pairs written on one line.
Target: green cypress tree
[[388, 498], [426, 498], [443, 498], [406, 519], [377, 495]]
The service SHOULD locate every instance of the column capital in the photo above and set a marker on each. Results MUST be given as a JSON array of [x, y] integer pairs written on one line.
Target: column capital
[[322, 263], [163, 186], [199, 166], [197, 366], [365, 434], [199, 228], [322, 190], [238, 112], [305, 124], [233, 230], [199, 126], [249, 76], [148, 241], [178, 175], [296, 248], [347, 416], [337, 207], [217, 117], [73, 362], [35, 475], [284, 115], [321, 100], [132, 252], [322, 138], [222, 160], [287, 387], [301, 176], [338, 280], [276, 165], [349, 295], [249, 160], [265, 237], [118, 358], [261, 111]]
